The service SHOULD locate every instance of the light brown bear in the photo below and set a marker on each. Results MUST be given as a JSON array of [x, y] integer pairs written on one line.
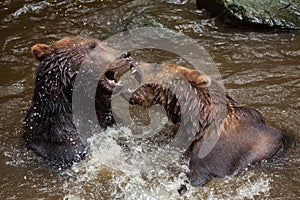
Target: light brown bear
[[190, 97]]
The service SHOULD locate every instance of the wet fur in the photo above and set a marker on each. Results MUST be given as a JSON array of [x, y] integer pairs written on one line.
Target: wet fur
[[49, 128], [244, 139]]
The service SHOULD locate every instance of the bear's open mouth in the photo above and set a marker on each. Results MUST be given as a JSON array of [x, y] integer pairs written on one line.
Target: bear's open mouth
[[111, 79], [132, 69], [117, 69], [135, 72]]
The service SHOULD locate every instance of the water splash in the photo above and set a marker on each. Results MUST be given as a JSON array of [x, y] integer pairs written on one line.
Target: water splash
[[120, 166], [131, 167]]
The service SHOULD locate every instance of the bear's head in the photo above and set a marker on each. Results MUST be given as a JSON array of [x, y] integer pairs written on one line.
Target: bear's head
[[174, 87], [61, 61]]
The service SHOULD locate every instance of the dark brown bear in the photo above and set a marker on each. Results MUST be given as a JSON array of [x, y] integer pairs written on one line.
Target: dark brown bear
[[49, 125], [192, 98]]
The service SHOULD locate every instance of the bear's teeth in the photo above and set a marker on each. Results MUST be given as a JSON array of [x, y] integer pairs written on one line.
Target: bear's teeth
[[112, 83], [133, 71]]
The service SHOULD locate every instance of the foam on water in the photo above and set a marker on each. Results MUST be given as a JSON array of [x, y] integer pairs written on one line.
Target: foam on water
[[119, 166], [250, 189], [133, 168]]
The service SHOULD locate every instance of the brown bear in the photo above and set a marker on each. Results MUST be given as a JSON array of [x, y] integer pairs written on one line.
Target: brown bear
[[49, 127], [243, 137]]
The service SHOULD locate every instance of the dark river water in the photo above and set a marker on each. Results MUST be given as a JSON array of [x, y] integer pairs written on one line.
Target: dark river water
[[260, 68]]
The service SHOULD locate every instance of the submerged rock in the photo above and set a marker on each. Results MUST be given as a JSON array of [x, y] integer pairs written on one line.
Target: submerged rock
[[139, 20], [281, 14]]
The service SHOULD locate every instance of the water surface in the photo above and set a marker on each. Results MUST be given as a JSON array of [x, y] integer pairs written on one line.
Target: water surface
[[260, 68]]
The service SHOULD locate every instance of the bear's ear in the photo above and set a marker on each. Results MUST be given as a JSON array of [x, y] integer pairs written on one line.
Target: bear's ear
[[196, 77], [202, 79], [41, 51]]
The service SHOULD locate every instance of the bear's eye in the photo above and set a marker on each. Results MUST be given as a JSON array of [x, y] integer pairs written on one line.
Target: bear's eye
[[92, 46]]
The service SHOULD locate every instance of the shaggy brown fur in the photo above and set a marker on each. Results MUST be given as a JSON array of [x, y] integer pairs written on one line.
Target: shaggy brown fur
[[190, 96], [49, 127]]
